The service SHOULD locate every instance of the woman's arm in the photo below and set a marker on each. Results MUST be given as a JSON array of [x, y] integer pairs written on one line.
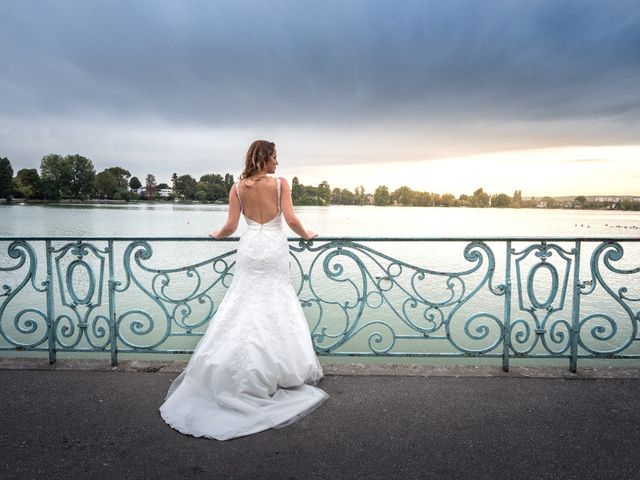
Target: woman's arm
[[232, 219], [289, 215]]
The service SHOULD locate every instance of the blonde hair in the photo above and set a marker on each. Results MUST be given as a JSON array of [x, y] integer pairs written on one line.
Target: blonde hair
[[257, 157]]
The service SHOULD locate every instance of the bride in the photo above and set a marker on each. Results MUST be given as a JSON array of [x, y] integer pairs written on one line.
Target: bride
[[255, 367]]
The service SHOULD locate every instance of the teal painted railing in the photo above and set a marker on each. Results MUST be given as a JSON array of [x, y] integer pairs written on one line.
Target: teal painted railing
[[567, 298]]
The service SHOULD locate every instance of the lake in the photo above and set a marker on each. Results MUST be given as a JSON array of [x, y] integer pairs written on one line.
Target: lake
[[173, 220], [195, 221]]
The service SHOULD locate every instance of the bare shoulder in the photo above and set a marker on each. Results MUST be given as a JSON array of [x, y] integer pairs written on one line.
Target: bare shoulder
[[283, 182]]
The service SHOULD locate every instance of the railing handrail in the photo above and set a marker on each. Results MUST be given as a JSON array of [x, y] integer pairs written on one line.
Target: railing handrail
[[513, 238], [488, 305]]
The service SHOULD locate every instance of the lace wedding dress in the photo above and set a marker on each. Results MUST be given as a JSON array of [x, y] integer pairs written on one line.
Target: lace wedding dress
[[254, 366]]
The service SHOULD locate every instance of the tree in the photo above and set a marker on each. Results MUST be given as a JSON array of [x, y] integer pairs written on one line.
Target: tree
[[342, 197], [502, 200], [580, 201], [150, 185], [122, 195], [211, 192], [448, 200], [424, 199], [404, 196], [481, 198], [212, 178], [201, 195], [310, 196], [629, 204], [324, 192], [381, 196], [162, 186], [28, 183], [106, 184], [15, 190], [186, 186], [550, 202], [213, 187], [83, 178], [517, 199], [134, 183], [360, 197], [121, 175], [348, 198], [296, 190], [465, 200], [174, 177], [55, 176], [6, 177]]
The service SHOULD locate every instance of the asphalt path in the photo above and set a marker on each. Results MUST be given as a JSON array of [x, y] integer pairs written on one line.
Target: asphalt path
[[101, 424]]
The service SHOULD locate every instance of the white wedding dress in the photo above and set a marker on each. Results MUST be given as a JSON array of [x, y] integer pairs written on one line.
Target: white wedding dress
[[253, 367]]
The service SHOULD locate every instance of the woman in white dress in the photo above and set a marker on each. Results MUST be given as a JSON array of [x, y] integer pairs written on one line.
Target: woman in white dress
[[255, 366]]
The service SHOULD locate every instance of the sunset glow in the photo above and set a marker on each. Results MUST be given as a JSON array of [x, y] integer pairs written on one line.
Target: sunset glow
[[447, 96]]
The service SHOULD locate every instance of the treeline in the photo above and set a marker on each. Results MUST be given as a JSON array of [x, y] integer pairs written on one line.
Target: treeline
[[323, 195], [405, 196], [479, 199], [75, 177]]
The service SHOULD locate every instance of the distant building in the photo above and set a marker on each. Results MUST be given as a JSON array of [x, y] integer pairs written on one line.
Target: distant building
[[163, 192], [606, 199], [610, 201]]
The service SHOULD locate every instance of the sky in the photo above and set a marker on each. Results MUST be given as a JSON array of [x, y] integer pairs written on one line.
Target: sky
[[442, 96]]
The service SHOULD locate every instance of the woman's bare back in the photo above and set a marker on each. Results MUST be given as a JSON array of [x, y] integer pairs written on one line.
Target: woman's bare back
[[259, 199]]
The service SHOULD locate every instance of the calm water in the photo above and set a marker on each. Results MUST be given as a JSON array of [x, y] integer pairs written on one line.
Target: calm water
[[175, 220], [171, 220]]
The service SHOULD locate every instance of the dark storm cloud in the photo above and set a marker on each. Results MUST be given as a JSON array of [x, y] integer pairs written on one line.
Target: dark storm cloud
[[233, 63]]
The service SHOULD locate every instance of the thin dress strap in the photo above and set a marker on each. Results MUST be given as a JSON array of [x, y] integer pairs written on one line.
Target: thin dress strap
[[238, 193], [278, 187]]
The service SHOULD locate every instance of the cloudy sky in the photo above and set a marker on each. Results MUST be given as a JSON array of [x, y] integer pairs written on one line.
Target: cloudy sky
[[444, 96]]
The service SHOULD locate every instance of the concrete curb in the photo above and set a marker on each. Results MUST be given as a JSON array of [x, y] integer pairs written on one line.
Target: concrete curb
[[353, 369]]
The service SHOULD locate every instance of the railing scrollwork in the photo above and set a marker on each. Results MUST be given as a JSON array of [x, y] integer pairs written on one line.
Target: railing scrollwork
[[505, 298]]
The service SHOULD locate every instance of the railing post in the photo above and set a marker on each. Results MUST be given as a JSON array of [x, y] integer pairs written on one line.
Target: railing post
[[112, 308], [506, 345], [575, 316], [50, 310]]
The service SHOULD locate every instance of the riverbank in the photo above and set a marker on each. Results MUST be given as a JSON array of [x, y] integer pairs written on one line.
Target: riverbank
[[563, 203]]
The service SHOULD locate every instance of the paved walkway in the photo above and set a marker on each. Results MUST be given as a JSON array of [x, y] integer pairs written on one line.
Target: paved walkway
[[66, 423]]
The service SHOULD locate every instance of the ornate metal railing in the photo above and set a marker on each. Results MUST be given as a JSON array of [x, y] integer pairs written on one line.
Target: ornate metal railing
[[505, 298]]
